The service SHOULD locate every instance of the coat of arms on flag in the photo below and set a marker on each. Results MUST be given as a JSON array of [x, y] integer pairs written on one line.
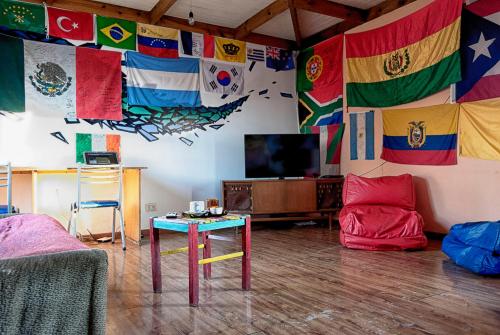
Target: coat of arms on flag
[[22, 16], [230, 50], [116, 33], [480, 51], [71, 25], [222, 78], [162, 82], [157, 41], [279, 59]]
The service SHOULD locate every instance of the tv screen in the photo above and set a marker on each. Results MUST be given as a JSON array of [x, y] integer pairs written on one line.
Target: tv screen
[[284, 155]]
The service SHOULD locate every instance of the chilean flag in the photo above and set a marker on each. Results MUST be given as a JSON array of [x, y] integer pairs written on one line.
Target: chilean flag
[[480, 51], [70, 25]]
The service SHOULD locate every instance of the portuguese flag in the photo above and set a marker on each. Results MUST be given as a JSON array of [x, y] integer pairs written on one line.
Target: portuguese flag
[[405, 60], [321, 66]]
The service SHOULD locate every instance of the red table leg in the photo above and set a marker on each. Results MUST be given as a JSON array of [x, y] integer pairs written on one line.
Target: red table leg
[[207, 253], [154, 238], [193, 264], [246, 244]]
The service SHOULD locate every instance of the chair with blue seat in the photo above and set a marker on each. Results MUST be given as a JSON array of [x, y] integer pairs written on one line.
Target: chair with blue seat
[[6, 182], [99, 175]]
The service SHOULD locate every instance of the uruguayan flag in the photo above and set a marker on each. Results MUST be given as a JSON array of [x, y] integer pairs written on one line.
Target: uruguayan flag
[[162, 82], [362, 145]]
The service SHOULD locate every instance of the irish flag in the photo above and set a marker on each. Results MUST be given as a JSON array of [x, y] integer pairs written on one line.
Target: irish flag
[[405, 60], [96, 142]]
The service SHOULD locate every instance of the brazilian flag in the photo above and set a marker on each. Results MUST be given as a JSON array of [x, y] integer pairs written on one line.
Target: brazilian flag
[[22, 16], [116, 33]]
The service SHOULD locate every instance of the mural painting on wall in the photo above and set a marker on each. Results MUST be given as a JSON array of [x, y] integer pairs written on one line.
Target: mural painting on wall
[[152, 122]]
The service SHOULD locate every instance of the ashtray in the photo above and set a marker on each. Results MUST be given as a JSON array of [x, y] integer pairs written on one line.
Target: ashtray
[[194, 215]]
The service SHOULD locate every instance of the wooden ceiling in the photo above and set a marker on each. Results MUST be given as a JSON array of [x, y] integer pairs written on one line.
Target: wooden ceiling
[[292, 24]]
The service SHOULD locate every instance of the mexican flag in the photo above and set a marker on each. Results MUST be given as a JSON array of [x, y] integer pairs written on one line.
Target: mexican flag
[[22, 16], [12, 94], [405, 60], [321, 66]]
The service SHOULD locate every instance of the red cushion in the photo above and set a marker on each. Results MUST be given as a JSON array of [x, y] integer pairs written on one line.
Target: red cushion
[[391, 190]]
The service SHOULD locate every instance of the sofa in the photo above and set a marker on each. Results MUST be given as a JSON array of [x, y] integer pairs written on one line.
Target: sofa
[[379, 214]]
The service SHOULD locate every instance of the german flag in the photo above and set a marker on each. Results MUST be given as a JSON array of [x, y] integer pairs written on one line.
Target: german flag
[[405, 60]]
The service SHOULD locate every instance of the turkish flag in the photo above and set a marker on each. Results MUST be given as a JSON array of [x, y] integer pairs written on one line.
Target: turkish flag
[[98, 84], [70, 25]]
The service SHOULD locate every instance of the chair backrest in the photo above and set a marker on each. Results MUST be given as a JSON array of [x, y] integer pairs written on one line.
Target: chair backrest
[[397, 191], [100, 175], [6, 182]]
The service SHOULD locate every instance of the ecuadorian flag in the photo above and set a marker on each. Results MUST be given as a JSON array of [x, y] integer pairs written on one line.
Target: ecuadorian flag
[[405, 60], [421, 136]]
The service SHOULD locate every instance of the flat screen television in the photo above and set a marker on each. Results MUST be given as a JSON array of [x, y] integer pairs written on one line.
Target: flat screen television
[[282, 155]]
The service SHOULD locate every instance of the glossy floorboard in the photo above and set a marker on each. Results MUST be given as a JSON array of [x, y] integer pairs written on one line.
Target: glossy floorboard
[[303, 282]]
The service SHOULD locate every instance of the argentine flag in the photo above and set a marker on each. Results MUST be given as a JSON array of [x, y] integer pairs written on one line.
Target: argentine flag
[[362, 145], [162, 82]]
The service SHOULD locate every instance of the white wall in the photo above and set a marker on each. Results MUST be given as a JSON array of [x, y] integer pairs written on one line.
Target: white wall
[[176, 173], [446, 195]]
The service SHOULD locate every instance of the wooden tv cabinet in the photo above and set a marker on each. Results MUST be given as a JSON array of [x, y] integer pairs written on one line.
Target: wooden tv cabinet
[[284, 199]]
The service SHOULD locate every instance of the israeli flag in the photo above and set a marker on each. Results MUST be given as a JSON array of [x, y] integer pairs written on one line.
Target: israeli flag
[[362, 128], [162, 82]]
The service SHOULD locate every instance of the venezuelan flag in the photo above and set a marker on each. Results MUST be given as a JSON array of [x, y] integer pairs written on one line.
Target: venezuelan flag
[[421, 136], [405, 60], [157, 41]]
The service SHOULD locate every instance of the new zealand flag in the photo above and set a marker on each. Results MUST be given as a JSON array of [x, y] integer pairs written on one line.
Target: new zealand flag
[[279, 59]]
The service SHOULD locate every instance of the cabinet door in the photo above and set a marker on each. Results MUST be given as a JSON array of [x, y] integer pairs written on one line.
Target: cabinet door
[[283, 196]]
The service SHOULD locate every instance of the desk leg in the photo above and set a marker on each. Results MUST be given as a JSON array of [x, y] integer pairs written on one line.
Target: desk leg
[[246, 244], [207, 253], [193, 264], [154, 238]]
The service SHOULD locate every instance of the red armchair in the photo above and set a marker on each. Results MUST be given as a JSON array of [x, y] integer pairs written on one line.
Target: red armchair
[[379, 214]]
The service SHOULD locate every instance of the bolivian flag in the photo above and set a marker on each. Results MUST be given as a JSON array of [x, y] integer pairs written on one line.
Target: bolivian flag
[[421, 136], [405, 60]]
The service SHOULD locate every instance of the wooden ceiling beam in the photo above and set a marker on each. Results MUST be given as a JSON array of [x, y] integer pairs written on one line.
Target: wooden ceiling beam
[[295, 22], [264, 15], [339, 28], [160, 9], [329, 8], [131, 14]]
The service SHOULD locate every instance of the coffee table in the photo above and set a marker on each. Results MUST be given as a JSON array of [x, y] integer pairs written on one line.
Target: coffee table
[[193, 227]]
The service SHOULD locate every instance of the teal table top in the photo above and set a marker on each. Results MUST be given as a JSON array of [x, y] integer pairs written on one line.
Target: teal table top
[[204, 224]]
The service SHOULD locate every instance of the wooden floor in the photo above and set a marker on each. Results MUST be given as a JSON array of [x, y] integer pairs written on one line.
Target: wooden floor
[[303, 282]]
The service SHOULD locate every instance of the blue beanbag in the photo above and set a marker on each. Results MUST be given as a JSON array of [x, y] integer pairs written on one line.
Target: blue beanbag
[[475, 246]]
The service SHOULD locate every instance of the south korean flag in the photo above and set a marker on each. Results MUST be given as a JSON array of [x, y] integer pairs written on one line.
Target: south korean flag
[[223, 78]]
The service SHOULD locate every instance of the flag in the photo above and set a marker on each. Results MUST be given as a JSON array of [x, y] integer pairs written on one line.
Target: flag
[[162, 82], [279, 59], [330, 142], [222, 78], [320, 66], [230, 50], [12, 81], [405, 60], [116, 33], [485, 8], [98, 84], [319, 107], [96, 142], [362, 139], [255, 54], [22, 16], [70, 25], [480, 129], [480, 50], [157, 41], [196, 45], [422, 136], [49, 79]]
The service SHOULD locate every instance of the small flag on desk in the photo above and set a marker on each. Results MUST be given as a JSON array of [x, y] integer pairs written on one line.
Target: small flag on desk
[[157, 41], [96, 142], [70, 25]]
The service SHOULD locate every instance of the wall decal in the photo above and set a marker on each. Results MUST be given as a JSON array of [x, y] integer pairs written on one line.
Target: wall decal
[[59, 136], [263, 92], [186, 141], [286, 95], [251, 66], [216, 126]]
